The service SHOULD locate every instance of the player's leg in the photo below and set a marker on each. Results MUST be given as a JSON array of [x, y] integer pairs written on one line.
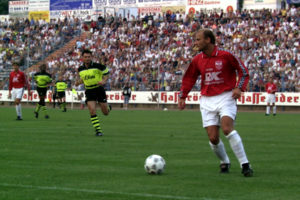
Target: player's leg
[[94, 118], [17, 96], [227, 116], [268, 106], [59, 100], [125, 103], [218, 147], [101, 98], [236, 144], [18, 108], [273, 104], [210, 122], [63, 99], [41, 105], [105, 108], [60, 103], [274, 109], [44, 107], [54, 99]]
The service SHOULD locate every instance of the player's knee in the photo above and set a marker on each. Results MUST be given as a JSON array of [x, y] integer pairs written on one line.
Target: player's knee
[[105, 112], [227, 130], [42, 102], [214, 139]]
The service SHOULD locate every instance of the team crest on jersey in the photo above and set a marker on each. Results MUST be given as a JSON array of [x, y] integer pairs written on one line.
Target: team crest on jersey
[[219, 64]]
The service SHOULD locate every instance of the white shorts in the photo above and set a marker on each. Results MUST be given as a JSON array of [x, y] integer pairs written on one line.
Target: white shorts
[[213, 108], [17, 93], [271, 98]]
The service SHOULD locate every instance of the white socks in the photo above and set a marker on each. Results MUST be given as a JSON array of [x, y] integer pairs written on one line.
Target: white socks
[[268, 110], [220, 151], [274, 110], [237, 146], [19, 110]]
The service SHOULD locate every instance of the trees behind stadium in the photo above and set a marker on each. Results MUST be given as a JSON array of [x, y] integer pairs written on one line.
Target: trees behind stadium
[[3, 7]]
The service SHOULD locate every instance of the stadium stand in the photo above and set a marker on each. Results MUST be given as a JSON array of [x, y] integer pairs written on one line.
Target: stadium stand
[[151, 49]]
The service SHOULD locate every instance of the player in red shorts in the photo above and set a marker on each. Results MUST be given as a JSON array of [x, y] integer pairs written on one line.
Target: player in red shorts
[[17, 82], [220, 88]]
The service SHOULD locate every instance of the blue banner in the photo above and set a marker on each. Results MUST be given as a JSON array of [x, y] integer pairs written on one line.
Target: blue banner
[[293, 1], [71, 4]]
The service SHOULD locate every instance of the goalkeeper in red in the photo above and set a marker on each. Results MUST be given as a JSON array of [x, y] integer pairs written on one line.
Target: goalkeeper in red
[[219, 70]]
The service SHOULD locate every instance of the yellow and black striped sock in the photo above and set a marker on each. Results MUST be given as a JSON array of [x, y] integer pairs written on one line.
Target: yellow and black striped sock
[[38, 107], [96, 123], [44, 109]]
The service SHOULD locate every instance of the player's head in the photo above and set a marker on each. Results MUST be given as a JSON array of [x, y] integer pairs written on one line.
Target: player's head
[[43, 67], [86, 56], [15, 66], [204, 39]]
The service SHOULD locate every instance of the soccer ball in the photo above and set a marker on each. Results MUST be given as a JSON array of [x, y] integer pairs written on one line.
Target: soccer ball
[[154, 164]]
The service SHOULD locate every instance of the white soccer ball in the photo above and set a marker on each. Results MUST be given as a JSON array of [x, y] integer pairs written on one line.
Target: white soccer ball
[[154, 164]]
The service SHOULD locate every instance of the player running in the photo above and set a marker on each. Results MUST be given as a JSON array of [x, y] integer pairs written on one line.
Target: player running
[[219, 89], [61, 87], [94, 76], [42, 79]]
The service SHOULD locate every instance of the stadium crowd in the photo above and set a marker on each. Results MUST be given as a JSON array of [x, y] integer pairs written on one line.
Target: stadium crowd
[[152, 49]]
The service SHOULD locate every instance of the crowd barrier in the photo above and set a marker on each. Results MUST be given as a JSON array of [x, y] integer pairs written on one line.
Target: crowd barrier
[[161, 97]]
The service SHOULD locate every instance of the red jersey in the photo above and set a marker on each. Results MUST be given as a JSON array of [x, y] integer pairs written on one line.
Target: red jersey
[[17, 79], [218, 73], [271, 88]]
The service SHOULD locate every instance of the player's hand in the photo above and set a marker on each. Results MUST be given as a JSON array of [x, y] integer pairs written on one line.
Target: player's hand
[[181, 104], [236, 93], [29, 93], [101, 83], [9, 95]]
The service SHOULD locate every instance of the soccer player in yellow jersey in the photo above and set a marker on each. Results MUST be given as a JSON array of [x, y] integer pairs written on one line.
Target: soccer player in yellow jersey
[[42, 79], [94, 77], [61, 87]]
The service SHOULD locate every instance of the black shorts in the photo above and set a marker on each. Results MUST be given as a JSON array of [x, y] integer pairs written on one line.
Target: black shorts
[[61, 94], [54, 95], [41, 91], [96, 94]]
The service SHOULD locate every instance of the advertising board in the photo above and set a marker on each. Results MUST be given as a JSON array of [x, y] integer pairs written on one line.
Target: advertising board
[[71, 4], [154, 97], [18, 6]]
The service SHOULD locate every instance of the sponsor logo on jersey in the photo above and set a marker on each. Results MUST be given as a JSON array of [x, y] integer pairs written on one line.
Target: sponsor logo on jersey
[[212, 76], [219, 64], [87, 77]]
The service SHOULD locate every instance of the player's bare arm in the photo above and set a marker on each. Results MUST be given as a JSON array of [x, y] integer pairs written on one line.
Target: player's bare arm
[[104, 79], [181, 104], [78, 81]]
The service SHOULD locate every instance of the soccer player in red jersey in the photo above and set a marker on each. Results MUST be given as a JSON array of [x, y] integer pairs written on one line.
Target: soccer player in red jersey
[[271, 89], [17, 82], [220, 88]]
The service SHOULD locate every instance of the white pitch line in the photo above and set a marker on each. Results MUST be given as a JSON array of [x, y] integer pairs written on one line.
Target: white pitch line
[[103, 192]]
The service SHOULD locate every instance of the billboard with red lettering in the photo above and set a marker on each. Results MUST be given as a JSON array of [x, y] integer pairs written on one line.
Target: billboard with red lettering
[[154, 97]]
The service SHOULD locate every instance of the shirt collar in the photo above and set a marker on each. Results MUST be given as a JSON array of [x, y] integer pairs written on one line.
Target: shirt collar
[[214, 53], [88, 65]]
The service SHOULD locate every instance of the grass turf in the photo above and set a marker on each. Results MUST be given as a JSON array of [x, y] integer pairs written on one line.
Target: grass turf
[[60, 158]]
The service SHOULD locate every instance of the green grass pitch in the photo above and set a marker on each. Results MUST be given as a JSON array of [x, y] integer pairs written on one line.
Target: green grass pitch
[[60, 158]]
